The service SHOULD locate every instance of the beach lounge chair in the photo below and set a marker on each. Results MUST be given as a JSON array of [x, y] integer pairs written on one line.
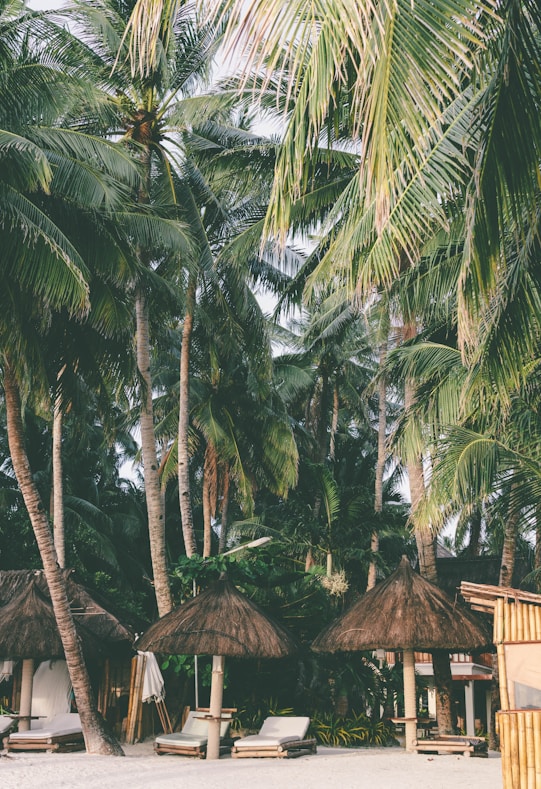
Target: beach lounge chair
[[450, 743], [60, 733], [279, 736], [192, 739]]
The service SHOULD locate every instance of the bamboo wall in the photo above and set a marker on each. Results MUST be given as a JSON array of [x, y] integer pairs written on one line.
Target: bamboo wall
[[519, 730]]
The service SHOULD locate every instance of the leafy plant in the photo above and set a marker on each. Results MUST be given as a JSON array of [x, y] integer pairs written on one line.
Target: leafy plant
[[185, 665], [251, 717], [356, 729]]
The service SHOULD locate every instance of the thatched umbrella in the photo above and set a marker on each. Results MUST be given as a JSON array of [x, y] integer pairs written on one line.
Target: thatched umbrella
[[221, 622], [29, 632], [28, 629], [86, 610], [405, 613]]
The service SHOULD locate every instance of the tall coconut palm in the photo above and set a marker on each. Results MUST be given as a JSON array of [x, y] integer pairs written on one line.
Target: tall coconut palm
[[150, 88], [38, 88]]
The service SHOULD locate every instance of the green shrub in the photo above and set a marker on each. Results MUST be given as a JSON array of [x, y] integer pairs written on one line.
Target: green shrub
[[250, 718], [355, 729]]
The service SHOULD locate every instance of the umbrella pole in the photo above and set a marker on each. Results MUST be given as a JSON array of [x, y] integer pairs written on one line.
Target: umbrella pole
[[215, 709], [27, 681], [410, 699]]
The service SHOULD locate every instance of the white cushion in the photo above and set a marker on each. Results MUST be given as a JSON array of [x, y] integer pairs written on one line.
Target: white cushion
[[195, 730], [276, 731], [66, 723]]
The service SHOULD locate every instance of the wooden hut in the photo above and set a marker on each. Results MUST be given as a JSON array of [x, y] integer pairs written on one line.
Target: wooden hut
[[517, 636]]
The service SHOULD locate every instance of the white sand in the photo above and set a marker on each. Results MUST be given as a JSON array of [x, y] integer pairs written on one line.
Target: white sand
[[330, 768]]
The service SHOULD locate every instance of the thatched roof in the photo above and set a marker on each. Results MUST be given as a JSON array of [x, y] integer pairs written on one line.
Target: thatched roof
[[26, 591], [28, 628], [219, 621], [405, 612]]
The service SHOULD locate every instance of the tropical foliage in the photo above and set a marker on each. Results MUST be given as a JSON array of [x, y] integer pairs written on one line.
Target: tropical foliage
[[153, 416]]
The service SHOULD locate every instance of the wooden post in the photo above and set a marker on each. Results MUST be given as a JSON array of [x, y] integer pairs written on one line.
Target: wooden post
[[27, 681], [215, 708], [410, 699], [134, 702]]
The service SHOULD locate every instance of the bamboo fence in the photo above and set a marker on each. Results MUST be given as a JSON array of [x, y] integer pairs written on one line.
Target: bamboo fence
[[516, 622]]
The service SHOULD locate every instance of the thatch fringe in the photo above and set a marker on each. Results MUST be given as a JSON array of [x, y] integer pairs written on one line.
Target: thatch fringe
[[219, 621], [405, 612]]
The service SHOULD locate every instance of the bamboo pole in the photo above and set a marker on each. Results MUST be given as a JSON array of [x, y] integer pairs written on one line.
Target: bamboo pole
[[533, 627], [530, 750], [536, 715], [498, 621], [502, 677], [520, 635], [129, 714], [537, 614], [502, 731], [136, 687], [522, 749], [513, 751], [512, 622]]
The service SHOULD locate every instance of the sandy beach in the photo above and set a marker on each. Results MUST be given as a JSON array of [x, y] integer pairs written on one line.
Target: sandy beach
[[330, 768]]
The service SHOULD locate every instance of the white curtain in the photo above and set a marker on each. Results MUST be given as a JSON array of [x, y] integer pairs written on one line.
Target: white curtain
[[51, 691]]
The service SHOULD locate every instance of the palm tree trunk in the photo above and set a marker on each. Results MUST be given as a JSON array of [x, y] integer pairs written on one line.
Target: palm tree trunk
[[426, 542], [153, 494], [380, 466], [224, 509], [426, 550], [184, 493], [507, 567], [58, 484], [537, 555], [207, 509], [97, 740], [509, 551], [334, 420], [443, 681]]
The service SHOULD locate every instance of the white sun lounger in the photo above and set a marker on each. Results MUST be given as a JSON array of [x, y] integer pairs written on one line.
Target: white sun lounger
[[279, 736], [60, 733], [192, 740]]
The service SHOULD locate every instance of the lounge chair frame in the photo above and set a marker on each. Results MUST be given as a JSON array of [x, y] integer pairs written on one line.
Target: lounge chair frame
[[449, 743], [287, 750], [198, 749], [50, 741]]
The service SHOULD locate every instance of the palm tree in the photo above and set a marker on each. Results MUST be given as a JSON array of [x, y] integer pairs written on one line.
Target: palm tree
[[38, 88], [153, 94]]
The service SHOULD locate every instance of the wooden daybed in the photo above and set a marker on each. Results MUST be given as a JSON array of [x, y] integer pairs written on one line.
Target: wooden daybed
[[62, 733], [450, 743]]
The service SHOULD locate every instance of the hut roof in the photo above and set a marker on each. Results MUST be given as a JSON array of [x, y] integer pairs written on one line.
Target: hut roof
[[219, 621], [405, 612], [28, 628], [95, 623]]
